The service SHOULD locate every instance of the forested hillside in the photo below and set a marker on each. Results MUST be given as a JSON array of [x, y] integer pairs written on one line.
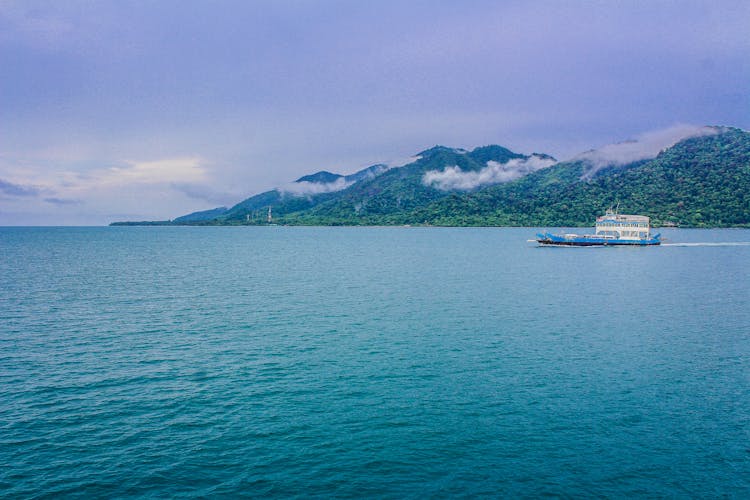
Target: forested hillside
[[702, 181]]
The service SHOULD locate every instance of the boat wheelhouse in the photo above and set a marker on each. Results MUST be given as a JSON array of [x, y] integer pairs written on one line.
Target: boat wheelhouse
[[611, 229]]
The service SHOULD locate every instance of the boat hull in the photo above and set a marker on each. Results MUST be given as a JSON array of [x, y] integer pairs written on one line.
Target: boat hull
[[588, 241]]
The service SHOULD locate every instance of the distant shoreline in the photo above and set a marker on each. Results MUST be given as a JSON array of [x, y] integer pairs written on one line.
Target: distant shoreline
[[199, 224]]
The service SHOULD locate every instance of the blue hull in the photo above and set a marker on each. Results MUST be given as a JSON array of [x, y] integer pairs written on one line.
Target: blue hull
[[592, 241]]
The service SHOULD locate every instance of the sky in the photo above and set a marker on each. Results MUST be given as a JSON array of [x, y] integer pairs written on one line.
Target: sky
[[147, 110]]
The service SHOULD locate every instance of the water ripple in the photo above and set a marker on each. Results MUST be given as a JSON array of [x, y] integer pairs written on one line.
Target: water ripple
[[343, 362]]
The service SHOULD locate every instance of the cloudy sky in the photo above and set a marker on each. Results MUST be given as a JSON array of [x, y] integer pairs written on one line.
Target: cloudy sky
[[116, 110]]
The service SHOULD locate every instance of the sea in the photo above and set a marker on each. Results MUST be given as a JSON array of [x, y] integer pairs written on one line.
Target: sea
[[377, 362]]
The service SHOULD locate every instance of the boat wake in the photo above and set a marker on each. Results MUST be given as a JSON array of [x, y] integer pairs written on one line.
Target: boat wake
[[708, 244]]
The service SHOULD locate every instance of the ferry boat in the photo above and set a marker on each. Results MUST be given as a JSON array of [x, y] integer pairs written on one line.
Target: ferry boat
[[611, 229]]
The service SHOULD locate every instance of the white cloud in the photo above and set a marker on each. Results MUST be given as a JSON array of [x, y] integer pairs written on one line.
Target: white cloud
[[187, 169], [169, 170], [453, 178], [144, 189], [643, 147], [310, 188]]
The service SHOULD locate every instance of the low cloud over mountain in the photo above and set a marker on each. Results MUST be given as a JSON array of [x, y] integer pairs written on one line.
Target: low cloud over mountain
[[644, 147], [453, 178], [304, 188]]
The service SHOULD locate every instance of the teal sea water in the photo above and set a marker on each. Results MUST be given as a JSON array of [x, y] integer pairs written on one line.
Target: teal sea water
[[383, 362]]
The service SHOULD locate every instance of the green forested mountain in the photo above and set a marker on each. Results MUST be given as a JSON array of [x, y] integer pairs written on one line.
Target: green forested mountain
[[375, 191], [402, 190], [702, 181], [699, 182], [305, 193]]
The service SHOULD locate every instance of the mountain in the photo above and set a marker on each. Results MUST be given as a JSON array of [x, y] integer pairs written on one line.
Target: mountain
[[377, 190], [203, 215], [302, 194], [699, 181], [325, 177], [367, 173], [386, 198], [321, 177]]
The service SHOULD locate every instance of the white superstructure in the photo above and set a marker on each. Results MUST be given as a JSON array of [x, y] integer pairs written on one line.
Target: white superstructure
[[624, 227]]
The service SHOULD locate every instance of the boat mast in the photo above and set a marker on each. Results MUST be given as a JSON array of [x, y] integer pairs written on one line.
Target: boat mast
[[270, 217]]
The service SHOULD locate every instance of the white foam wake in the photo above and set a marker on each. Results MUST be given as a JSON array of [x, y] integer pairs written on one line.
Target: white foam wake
[[707, 244]]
